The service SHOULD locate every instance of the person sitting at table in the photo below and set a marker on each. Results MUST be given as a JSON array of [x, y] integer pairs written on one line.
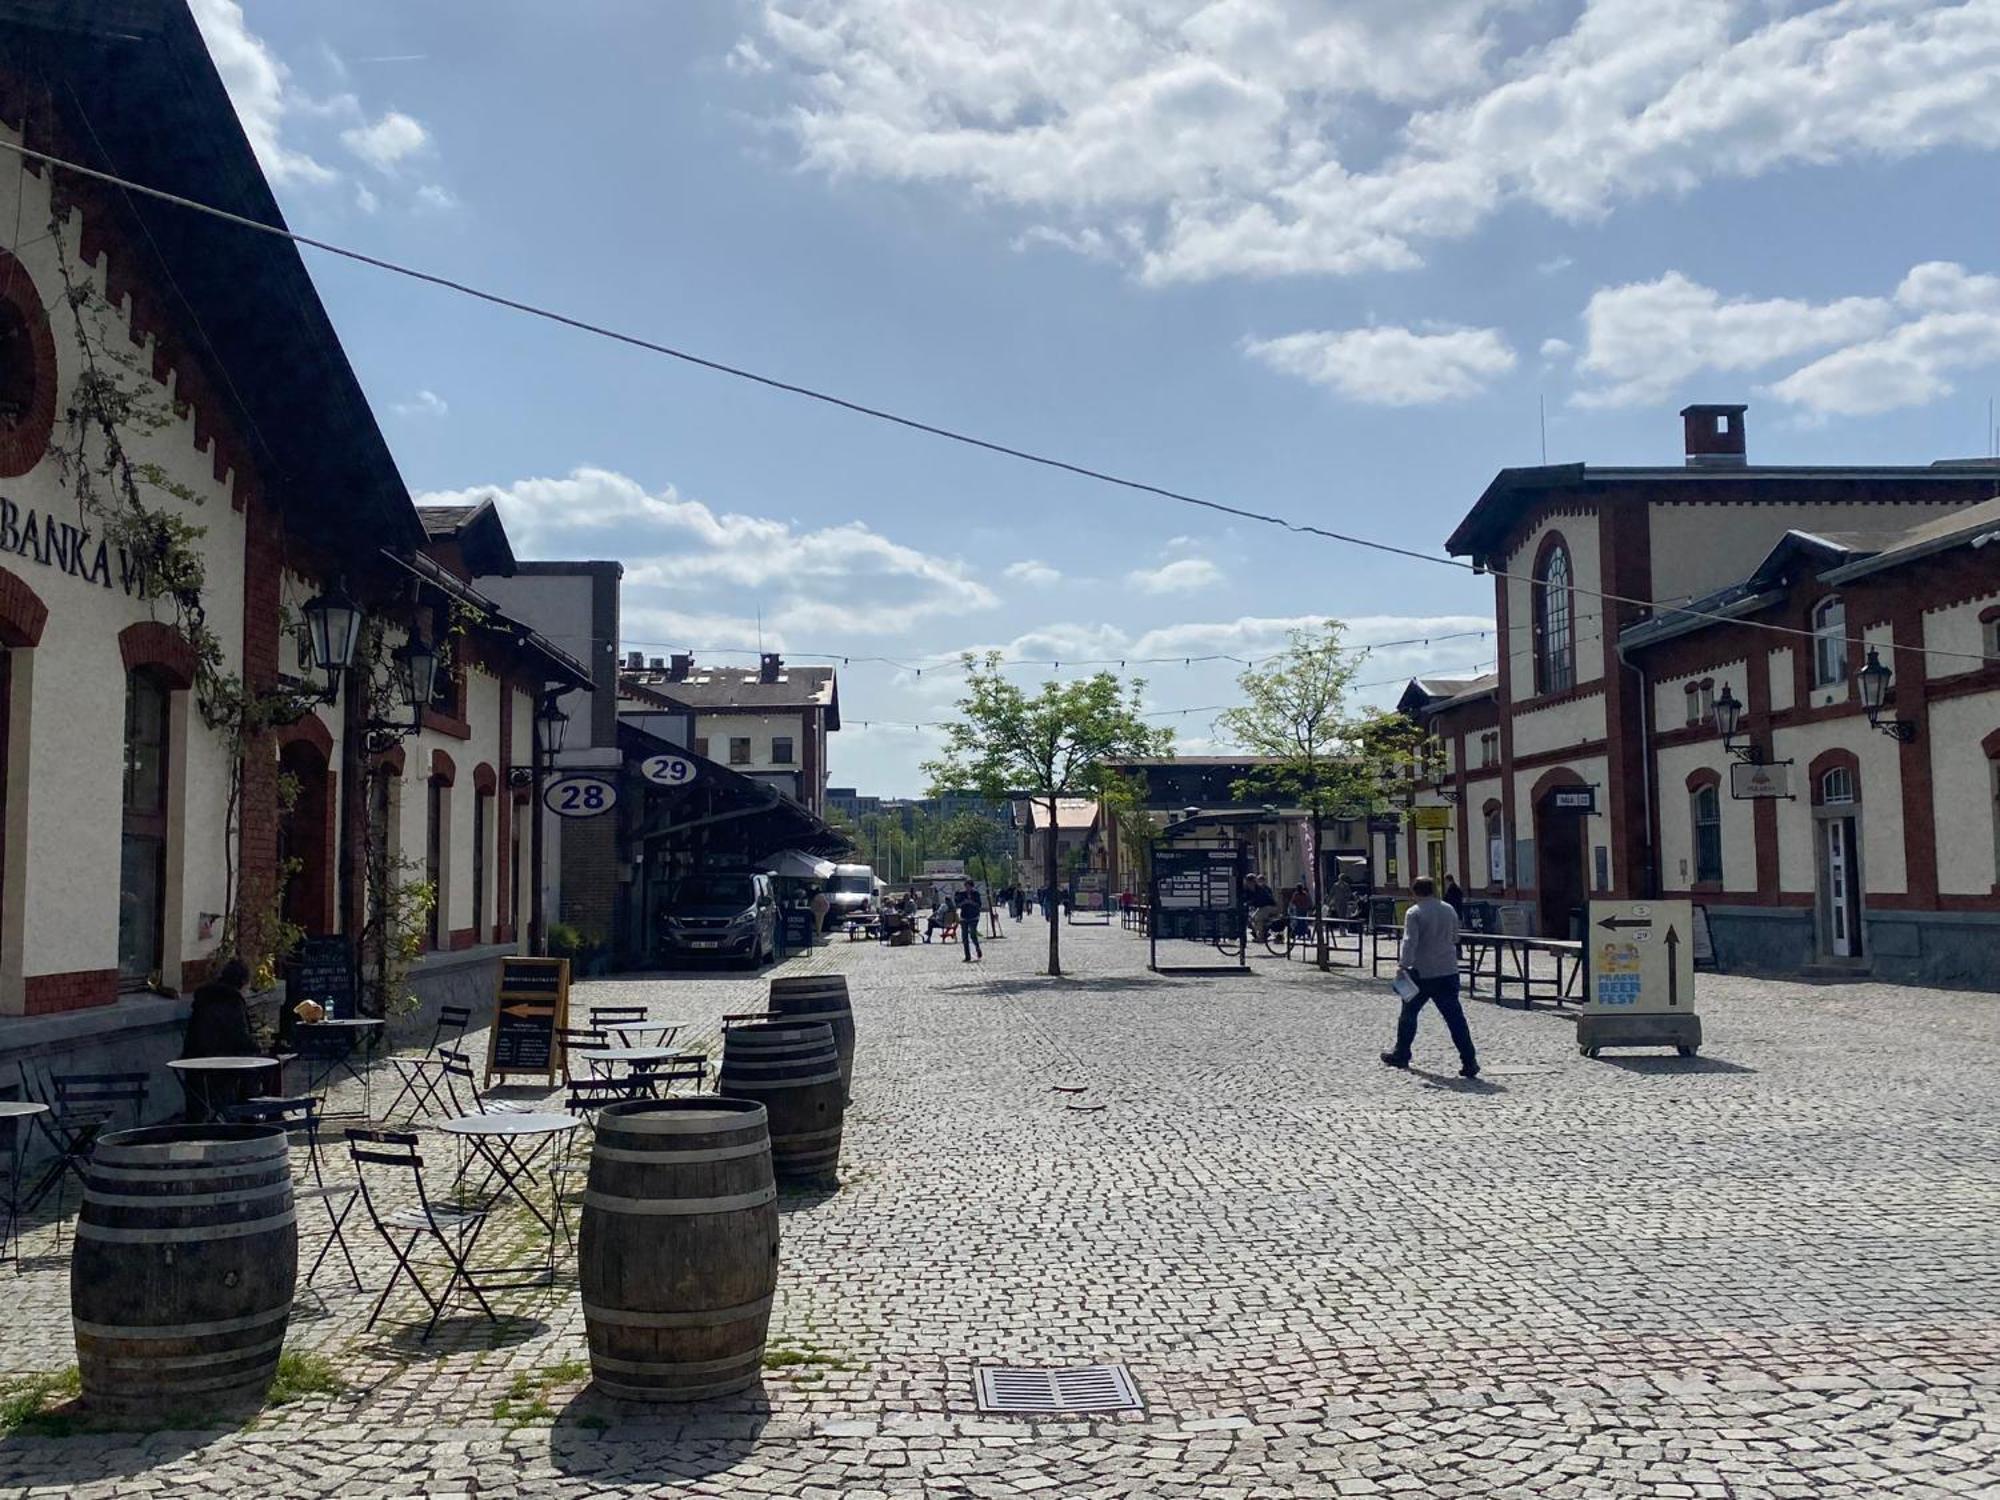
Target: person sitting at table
[[218, 1025], [943, 916]]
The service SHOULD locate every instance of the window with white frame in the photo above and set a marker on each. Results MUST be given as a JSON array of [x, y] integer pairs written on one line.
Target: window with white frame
[[1706, 807], [1829, 632], [1555, 636], [1693, 694], [1837, 785], [1496, 848]]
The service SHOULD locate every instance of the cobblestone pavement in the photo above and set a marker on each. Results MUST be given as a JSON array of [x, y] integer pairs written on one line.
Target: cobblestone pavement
[[1772, 1271]]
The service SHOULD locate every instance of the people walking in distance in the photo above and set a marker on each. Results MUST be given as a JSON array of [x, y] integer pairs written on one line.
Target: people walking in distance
[[1343, 896], [1430, 960], [1262, 902], [1454, 896], [1299, 907], [968, 921], [1017, 899]]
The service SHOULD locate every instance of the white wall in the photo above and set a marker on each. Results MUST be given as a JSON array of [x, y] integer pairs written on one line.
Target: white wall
[[1955, 629], [1575, 722], [1739, 832], [1699, 546], [1881, 793], [1962, 793]]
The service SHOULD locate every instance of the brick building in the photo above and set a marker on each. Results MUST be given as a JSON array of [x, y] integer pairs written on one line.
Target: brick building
[[769, 722]]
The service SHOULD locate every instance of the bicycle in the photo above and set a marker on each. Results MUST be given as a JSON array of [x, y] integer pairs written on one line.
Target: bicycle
[[1283, 935]]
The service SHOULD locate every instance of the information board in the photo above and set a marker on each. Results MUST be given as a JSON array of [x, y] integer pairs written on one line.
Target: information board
[[1197, 895], [1752, 781], [1093, 891], [533, 1002], [322, 970], [1639, 956], [1430, 818], [800, 926]]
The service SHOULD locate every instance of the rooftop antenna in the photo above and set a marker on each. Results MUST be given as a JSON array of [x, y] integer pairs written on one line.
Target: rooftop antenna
[[1542, 409], [760, 630]]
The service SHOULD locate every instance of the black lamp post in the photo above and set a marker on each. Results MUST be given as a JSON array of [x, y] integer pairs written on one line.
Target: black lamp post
[[1876, 680], [551, 727], [1729, 719], [333, 629]]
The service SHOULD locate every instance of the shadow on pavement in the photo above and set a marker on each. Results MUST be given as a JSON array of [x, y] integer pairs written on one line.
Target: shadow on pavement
[[39, 1453], [1452, 1083], [457, 1335], [1042, 984], [791, 1200], [1674, 1065], [707, 1438]]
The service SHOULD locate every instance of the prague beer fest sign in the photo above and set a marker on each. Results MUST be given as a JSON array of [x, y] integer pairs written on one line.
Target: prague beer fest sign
[[1638, 959]]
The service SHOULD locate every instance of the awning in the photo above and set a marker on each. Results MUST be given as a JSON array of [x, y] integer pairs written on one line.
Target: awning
[[799, 865]]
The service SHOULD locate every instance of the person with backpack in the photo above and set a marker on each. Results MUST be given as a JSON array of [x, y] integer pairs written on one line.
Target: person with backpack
[[968, 921]]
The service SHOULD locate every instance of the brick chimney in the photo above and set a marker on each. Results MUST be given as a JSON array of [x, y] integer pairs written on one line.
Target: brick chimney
[[768, 666], [1714, 437], [679, 665]]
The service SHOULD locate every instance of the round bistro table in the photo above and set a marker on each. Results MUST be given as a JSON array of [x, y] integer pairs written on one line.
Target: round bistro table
[[202, 1077]]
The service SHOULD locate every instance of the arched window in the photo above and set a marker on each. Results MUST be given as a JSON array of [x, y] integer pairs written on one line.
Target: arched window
[[1555, 637], [1836, 785], [1705, 804], [1496, 848], [1829, 630]]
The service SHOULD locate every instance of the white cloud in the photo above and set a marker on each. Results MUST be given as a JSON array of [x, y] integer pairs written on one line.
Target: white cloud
[[386, 143], [1030, 571], [1556, 350], [1265, 137], [1643, 340], [423, 404], [1554, 264], [430, 195], [1391, 366], [682, 556], [365, 200], [1177, 577], [259, 86], [1872, 353]]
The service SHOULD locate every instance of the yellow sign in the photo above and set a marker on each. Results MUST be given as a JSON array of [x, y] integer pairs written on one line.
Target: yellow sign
[[1430, 817], [1641, 956]]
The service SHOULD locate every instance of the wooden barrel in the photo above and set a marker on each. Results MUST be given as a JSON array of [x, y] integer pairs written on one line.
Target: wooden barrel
[[821, 997], [181, 1282], [792, 1068], [678, 1258]]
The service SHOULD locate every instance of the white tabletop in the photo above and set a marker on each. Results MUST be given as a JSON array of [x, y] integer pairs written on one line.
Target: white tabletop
[[221, 1064], [524, 1124]]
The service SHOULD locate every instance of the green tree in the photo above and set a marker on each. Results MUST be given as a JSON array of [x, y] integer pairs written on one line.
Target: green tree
[[1054, 743], [977, 840], [1320, 758]]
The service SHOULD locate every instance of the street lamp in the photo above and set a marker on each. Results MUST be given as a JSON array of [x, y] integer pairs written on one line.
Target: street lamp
[[1875, 680], [415, 664], [551, 725], [333, 630], [1729, 719]]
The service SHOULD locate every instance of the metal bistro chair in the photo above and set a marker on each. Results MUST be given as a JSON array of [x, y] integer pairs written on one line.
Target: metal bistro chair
[[424, 1075], [689, 1067], [385, 1156], [324, 1050], [457, 1069], [82, 1106], [300, 1115], [586, 1099], [581, 1039]]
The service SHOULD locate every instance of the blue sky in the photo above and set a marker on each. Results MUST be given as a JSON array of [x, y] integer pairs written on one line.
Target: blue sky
[[1309, 257]]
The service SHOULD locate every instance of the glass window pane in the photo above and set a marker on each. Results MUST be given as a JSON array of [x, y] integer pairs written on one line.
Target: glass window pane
[[140, 867]]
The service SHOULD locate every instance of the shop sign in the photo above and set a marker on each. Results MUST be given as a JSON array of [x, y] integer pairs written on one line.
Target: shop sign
[[43, 539], [1581, 799], [1640, 956], [1749, 783], [1431, 818], [579, 796], [668, 770]]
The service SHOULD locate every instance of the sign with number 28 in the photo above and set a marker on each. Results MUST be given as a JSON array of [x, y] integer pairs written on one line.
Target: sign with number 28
[[579, 796]]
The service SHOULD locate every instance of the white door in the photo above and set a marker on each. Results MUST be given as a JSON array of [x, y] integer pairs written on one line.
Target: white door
[[1839, 883]]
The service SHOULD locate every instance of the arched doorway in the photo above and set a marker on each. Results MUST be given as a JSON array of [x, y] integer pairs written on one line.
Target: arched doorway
[[1560, 862], [305, 835]]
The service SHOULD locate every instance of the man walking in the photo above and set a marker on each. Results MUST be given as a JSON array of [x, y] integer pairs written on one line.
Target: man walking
[[968, 921], [1430, 958]]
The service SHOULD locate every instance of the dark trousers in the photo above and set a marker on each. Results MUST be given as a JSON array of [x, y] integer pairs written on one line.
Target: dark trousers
[[1443, 993], [968, 933]]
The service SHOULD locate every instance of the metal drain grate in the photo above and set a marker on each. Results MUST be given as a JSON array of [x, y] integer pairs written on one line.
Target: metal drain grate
[[1007, 1388]]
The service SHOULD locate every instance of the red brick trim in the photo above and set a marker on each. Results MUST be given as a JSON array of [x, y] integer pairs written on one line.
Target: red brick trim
[[22, 445], [1978, 680], [82, 989], [395, 759], [1591, 689], [311, 730], [1990, 746], [1582, 751], [442, 770], [447, 725], [1828, 760], [156, 644], [1548, 781], [22, 613], [464, 937], [483, 780], [1704, 776]]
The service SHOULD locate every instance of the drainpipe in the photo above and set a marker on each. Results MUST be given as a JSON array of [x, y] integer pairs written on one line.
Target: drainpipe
[[1652, 883]]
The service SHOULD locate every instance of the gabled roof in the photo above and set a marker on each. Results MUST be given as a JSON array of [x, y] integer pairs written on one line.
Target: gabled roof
[[1430, 694], [1073, 814], [129, 88], [714, 690], [478, 533], [1512, 492]]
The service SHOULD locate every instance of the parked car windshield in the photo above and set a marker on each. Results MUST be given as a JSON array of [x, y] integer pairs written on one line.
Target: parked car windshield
[[714, 890], [859, 885]]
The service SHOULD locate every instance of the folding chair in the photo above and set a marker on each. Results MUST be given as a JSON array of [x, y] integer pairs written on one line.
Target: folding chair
[[300, 1114], [632, 1017], [457, 1069], [578, 1039], [587, 1099], [324, 1050], [387, 1156], [423, 1075], [81, 1107], [689, 1067]]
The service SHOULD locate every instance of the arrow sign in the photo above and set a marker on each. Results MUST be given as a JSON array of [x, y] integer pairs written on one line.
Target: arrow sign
[[1612, 923], [1673, 967]]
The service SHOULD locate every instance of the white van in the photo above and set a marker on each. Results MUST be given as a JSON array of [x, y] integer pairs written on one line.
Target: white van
[[850, 892]]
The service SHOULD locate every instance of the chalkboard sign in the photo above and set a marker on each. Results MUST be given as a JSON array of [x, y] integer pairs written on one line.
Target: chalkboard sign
[[323, 971], [533, 1002], [800, 924]]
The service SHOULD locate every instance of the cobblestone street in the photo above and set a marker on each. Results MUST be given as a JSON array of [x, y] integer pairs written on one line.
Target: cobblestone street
[[1772, 1271]]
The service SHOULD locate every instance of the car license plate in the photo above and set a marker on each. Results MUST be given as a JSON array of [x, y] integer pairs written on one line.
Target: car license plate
[[701, 942]]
